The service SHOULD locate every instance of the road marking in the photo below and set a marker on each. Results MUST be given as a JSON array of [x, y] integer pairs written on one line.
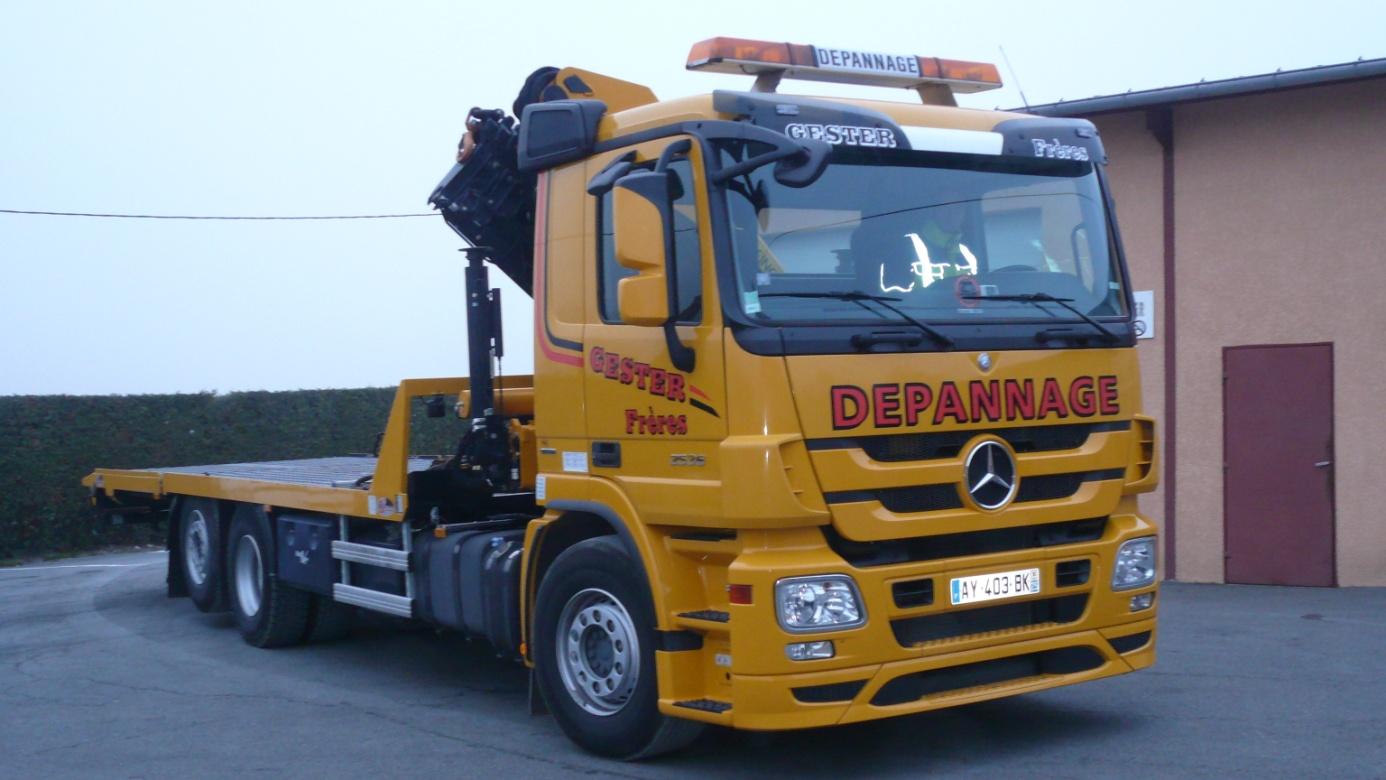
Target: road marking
[[85, 565]]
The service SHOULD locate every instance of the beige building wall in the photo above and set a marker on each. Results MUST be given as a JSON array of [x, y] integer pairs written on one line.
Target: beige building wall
[[1280, 238], [1135, 173], [1280, 208]]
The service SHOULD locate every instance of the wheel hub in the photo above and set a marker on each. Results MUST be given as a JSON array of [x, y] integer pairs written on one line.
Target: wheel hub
[[197, 546], [249, 575], [598, 652]]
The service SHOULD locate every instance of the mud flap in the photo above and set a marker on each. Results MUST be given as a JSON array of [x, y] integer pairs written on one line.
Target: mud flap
[[177, 587], [537, 705]]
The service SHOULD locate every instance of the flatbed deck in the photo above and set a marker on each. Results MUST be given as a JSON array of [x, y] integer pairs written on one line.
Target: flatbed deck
[[346, 471], [352, 485], [336, 485]]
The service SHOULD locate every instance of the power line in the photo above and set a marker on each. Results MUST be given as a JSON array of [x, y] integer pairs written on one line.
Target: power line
[[190, 216]]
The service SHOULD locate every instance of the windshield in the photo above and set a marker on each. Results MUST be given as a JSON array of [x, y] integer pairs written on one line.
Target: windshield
[[941, 237]]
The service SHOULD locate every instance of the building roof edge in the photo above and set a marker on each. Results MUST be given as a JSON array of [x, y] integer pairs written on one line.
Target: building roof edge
[[1207, 90]]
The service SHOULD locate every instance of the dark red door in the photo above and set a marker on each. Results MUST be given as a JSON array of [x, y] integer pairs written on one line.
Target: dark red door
[[1278, 474]]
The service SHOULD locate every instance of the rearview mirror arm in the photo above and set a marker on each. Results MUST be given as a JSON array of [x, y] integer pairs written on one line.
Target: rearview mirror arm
[[809, 156]]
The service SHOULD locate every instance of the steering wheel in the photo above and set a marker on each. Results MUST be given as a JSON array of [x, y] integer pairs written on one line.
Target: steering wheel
[[1012, 269]]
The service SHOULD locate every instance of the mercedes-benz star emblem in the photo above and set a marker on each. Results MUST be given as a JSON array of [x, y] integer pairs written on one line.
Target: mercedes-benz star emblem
[[990, 475], [984, 361]]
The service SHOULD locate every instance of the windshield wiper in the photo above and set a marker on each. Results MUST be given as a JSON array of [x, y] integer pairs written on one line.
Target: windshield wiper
[[882, 300], [1040, 297]]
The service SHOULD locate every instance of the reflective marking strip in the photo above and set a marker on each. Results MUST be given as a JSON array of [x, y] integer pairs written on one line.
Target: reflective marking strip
[[941, 139]]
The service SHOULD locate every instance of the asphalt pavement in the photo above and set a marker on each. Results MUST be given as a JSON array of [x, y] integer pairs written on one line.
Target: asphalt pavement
[[103, 676]]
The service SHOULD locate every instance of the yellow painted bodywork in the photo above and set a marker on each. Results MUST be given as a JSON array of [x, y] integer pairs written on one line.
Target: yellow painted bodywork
[[514, 397], [618, 95], [736, 496]]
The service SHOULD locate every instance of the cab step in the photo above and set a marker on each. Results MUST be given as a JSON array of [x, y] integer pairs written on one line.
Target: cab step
[[370, 555], [705, 705], [376, 600], [349, 552]]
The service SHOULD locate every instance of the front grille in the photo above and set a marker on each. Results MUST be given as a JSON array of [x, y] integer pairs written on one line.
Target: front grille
[[913, 687], [1054, 486], [916, 498], [932, 498], [1070, 573], [913, 593], [947, 444], [910, 632], [931, 548]]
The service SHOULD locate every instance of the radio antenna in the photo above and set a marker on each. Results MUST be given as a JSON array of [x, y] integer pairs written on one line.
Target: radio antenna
[[1014, 77]]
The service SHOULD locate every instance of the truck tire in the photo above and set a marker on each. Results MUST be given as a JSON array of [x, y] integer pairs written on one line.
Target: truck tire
[[268, 612], [199, 553], [594, 654]]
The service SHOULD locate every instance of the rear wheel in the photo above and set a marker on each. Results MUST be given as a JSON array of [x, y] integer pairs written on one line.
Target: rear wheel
[[268, 612], [594, 654], [200, 556]]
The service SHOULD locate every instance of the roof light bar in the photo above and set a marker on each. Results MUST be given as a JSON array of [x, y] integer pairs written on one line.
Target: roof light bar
[[842, 66]]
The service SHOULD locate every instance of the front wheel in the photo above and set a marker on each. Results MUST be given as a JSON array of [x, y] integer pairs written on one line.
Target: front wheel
[[594, 654]]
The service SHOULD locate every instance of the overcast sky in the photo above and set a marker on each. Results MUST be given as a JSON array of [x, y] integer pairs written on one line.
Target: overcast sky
[[292, 108]]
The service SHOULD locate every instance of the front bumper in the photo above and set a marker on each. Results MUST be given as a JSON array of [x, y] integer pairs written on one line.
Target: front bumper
[[925, 656], [774, 702]]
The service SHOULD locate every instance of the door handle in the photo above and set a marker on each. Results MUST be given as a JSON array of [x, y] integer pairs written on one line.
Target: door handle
[[1323, 464], [606, 454]]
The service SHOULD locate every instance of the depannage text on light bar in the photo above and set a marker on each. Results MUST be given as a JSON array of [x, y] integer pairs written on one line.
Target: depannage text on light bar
[[866, 61]]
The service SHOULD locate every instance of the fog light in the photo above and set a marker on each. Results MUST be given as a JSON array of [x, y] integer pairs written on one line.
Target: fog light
[[827, 602], [1135, 564], [808, 651], [1142, 601]]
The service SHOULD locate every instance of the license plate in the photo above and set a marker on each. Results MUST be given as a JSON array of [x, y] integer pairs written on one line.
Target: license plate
[[998, 585]]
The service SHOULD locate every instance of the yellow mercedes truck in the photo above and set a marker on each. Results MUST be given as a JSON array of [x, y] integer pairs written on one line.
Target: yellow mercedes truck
[[835, 415]]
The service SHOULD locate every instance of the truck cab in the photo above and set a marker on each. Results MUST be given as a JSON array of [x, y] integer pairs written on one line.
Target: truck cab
[[856, 381]]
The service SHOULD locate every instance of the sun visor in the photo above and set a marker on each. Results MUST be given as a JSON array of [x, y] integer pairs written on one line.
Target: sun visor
[[839, 124], [846, 125], [1052, 139]]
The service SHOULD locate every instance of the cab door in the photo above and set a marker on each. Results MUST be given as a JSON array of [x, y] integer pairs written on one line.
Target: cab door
[[654, 429]]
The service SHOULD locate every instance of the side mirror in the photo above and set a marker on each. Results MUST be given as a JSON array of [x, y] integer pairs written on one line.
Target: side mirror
[[642, 208]]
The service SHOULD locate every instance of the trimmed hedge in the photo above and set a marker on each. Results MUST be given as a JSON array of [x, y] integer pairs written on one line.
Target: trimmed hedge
[[48, 443]]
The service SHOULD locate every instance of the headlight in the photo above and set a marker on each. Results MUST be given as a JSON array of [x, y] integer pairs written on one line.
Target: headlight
[[827, 602], [1135, 564]]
